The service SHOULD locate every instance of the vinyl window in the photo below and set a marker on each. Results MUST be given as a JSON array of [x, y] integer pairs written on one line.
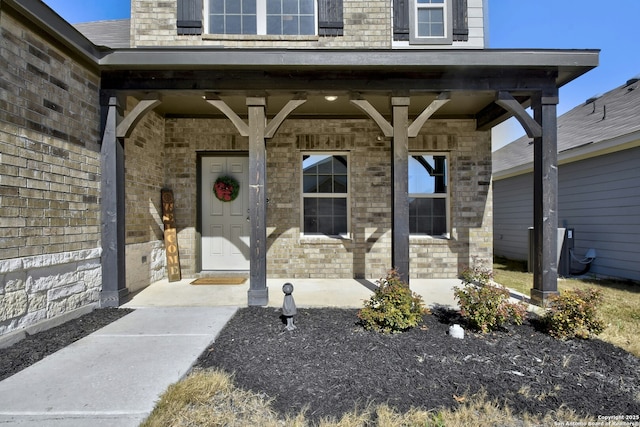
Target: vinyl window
[[428, 195], [325, 194]]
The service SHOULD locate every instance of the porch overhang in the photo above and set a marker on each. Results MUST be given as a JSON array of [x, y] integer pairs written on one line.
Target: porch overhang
[[398, 87]]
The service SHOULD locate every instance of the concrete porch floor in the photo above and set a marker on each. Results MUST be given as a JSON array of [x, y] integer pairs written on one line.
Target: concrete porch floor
[[347, 293]]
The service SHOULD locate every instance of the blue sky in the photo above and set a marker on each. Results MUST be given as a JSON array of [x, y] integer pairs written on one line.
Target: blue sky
[[547, 24]]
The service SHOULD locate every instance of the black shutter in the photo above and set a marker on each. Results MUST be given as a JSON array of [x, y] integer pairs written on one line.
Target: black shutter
[[330, 21], [401, 19], [189, 17], [460, 22]]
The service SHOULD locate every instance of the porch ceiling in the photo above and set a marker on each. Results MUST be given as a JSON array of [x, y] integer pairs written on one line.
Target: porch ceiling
[[181, 77], [190, 105]]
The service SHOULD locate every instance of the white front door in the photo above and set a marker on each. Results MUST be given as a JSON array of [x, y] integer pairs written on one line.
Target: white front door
[[225, 225]]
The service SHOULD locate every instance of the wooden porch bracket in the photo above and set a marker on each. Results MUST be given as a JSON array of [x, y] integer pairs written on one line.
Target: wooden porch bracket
[[274, 124], [369, 110], [214, 100], [509, 103], [128, 124], [435, 105]]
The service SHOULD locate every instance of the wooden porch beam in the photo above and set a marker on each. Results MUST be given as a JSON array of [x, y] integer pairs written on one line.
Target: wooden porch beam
[[400, 173], [545, 200], [128, 124], [114, 287], [214, 100], [258, 294], [509, 103], [435, 105]]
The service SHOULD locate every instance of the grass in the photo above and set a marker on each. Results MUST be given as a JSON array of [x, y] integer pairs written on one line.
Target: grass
[[620, 309], [210, 398]]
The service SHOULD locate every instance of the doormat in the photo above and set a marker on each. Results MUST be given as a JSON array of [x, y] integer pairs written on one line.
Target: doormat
[[219, 281]]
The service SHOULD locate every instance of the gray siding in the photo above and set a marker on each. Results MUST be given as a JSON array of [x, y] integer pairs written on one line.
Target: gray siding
[[598, 197], [512, 216]]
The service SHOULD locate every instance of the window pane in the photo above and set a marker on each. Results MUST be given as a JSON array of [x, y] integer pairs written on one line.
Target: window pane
[[325, 184], [249, 7], [427, 216], [431, 22], [233, 6], [249, 24], [290, 7], [274, 7], [216, 24], [232, 17], [340, 184], [427, 174], [307, 25], [326, 216], [310, 184], [330, 172], [325, 174], [233, 24], [306, 7]]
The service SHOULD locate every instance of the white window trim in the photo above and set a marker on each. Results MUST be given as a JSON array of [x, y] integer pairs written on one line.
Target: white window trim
[[261, 24], [346, 195], [446, 196], [448, 24]]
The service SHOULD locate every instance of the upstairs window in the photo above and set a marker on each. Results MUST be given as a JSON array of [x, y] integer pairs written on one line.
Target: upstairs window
[[430, 21], [325, 194], [274, 17], [428, 195]]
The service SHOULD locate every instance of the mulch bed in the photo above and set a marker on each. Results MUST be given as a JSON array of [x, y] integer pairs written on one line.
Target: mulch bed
[[330, 365], [38, 346]]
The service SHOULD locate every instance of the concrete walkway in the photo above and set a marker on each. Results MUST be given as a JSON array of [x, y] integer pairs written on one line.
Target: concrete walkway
[[348, 293], [115, 376]]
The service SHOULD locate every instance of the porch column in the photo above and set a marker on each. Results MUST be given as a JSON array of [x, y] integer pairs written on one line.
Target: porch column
[[545, 199], [258, 291], [400, 173], [114, 286]]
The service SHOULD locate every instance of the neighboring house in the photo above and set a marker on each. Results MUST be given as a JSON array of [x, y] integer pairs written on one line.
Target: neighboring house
[[598, 184], [358, 133]]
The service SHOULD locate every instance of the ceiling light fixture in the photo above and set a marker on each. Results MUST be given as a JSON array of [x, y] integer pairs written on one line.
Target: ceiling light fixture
[[330, 98]]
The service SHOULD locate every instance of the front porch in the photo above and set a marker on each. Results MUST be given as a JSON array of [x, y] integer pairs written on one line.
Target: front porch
[[344, 293]]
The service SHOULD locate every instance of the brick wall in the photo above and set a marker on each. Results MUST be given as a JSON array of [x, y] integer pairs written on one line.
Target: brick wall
[[144, 176], [49, 179], [368, 253], [366, 25]]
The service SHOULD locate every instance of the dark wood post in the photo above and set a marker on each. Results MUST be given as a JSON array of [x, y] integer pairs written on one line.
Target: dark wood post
[[545, 199], [258, 293], [114, 286], [400, 173]]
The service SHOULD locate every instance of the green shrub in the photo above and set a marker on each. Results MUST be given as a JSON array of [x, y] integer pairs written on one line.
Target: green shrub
[[573, 313], [393, 307], [485, 305]]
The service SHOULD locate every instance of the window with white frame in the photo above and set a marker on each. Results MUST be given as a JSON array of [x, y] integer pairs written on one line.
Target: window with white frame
[[325, 194], [262, 17], [430, 21], [428, 194]]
